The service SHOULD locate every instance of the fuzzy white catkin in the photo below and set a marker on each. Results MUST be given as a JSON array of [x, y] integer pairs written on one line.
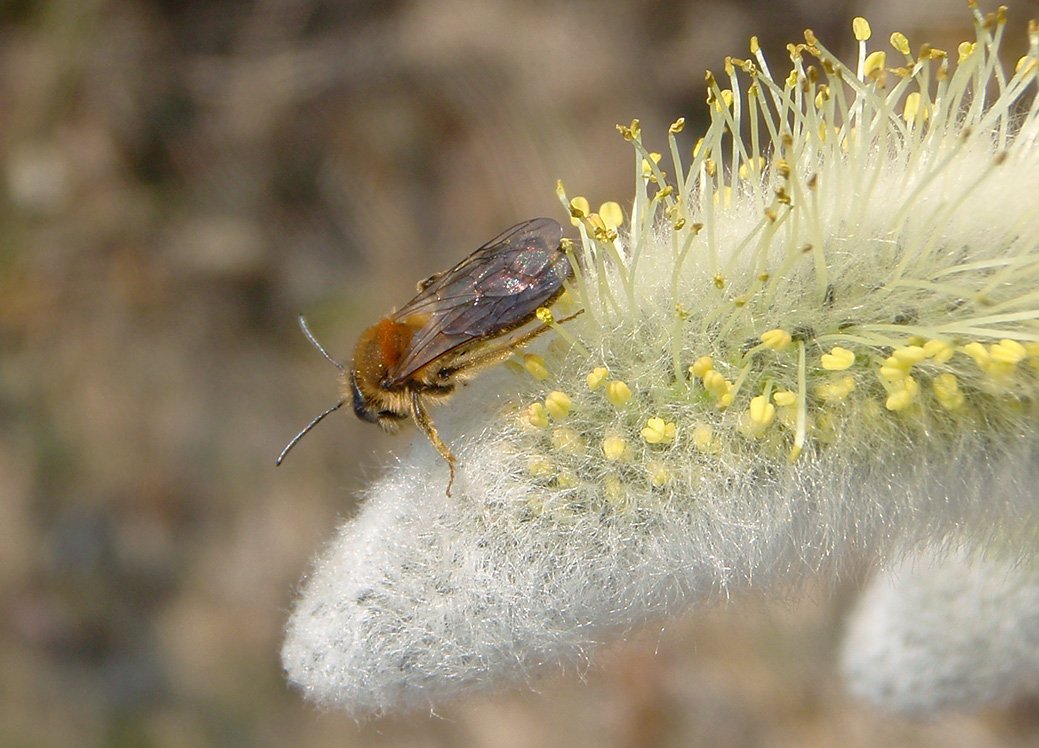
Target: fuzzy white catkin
[[944, 631], [832, 353]]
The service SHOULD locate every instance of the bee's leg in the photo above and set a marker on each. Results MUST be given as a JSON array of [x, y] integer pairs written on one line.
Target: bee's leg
[[499, 353], [418, 412]]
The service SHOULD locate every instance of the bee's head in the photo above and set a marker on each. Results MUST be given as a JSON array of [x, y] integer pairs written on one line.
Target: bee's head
[[364, 409]]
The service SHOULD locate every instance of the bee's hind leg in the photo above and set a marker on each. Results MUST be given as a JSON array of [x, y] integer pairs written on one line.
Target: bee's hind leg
[[424, 422]]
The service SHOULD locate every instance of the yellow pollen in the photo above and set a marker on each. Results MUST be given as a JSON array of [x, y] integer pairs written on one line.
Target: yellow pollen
[[719, 280], [544, 315], [657, 431], [838, 359], [618, 393], [613, 447], [965, 50], [535, 366], [597, 377], [784, 398], [558, 404], [537, 416], [776, 339]]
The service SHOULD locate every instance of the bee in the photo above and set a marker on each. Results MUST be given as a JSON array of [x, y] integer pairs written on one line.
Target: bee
[[450, 331]]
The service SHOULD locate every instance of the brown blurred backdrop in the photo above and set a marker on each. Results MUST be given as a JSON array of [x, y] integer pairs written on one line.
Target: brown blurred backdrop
[[178, 180]]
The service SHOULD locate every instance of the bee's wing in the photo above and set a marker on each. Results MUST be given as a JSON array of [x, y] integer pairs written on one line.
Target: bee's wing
[[495, 289]]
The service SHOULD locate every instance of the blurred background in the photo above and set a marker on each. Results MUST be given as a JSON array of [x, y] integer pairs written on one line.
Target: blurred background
[[178, 180]]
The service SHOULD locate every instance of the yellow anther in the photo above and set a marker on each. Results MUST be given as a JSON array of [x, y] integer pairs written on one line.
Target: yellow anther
[[701, 366], [659, 475], [874, 64], [1007, 351], [544, 315], [540, 466], [860, 27], [776, 339], [716, 383], [611, 214], [677, 126], [909, 355], [568, 440], [719, 280], [965, 50], [893, 370], [558, 404], [900, 42], [703, 439], [618, 393], [613, 447], [647, 167], [784, 398], [630, 132], [579, 207], [938, 350], [836, 390], [565, 479], [903, 395], [947, 390], [761, 411], [613, 487], [535, 366], [755, 46], [979, 353], [838, 359], [1033, 354], [912, 110], [537, 416], [597, 377], [658, 431]]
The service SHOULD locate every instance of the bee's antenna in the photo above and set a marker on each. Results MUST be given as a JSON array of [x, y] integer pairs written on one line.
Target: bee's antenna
[[317, 420], [321, 348]]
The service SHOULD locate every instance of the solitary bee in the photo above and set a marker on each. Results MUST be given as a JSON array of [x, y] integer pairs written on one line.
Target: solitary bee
[[450, 331]]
